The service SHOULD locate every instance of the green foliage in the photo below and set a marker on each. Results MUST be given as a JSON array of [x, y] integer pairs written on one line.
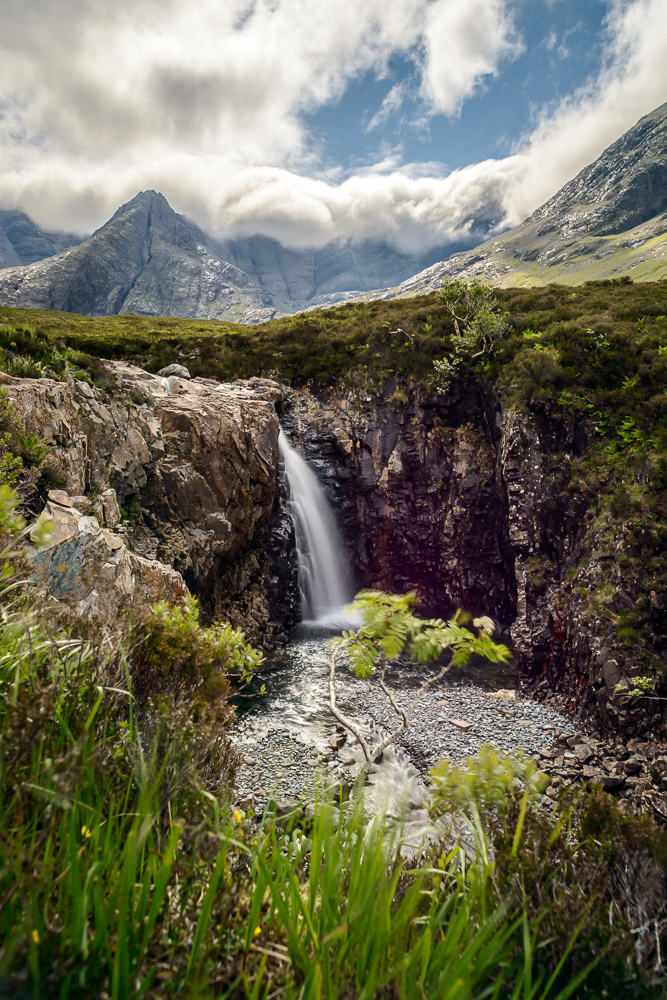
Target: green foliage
[[11, 464], [31, 449], [390, 629], [177, 655], [489, 782], [132, 511], [11, 523], [641, 686], [478, 327]]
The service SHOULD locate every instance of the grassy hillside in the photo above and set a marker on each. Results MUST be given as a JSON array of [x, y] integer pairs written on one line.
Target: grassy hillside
[[524, 257], [378, 341]]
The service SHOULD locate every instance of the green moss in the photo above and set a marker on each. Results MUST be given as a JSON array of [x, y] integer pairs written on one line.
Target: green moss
[[628, 637]]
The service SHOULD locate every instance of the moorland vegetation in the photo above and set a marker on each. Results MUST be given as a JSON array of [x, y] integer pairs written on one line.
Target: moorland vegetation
[[126, 871]]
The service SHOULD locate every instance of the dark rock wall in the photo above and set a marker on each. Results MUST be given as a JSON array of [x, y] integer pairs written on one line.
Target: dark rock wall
[[472, 507], [416, 491]]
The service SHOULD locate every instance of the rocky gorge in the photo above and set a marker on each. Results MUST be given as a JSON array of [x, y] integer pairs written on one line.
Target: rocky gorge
[[150, 485], [452, 495]]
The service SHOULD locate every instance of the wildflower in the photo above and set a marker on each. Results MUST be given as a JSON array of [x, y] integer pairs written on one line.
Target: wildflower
[[85, 832], [35, 936], [238, 816], [258, 930]]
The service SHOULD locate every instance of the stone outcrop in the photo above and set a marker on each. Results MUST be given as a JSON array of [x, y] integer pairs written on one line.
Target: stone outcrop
[[196, 465], [90, 567]]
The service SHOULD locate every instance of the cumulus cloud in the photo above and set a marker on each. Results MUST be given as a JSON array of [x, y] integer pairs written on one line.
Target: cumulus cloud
[[464, 41], [204, 101]]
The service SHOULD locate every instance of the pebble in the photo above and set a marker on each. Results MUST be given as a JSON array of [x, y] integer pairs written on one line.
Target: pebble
[[474, 718]]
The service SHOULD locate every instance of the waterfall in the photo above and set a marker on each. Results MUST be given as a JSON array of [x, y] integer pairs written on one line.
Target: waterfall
[[324, 574]]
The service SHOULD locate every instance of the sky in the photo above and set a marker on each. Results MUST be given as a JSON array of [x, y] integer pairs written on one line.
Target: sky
[[419, 122]]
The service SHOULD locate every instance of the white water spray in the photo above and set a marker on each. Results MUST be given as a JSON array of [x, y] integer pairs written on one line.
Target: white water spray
[[324, 574]]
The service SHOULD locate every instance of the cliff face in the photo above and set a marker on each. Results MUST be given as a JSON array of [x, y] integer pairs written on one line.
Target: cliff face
[[574, 578], [470, 506], [198, 464]]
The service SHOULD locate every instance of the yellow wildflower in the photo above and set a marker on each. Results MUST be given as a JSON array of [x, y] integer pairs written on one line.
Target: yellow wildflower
[[35, 936], [85, 832], [258, 930], [238, 816]]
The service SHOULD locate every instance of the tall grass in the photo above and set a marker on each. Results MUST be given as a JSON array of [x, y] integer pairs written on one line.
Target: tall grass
[[126, 872]]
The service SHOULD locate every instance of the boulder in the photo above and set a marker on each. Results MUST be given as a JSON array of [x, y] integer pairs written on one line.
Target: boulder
[[180, 371], [91, 568]]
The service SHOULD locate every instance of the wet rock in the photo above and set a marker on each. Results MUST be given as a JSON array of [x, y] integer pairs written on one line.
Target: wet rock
[[180, 371]]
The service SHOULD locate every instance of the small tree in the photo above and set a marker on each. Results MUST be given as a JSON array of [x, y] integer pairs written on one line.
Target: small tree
[[478, 328], [389, 629]]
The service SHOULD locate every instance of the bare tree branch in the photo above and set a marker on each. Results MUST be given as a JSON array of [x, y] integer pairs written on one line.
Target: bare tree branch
[[344, 721]]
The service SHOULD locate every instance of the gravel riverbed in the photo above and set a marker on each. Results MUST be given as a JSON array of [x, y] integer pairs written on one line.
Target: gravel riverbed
[[284, 736]]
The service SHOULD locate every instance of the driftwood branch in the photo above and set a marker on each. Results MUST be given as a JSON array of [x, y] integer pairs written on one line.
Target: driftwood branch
[[337, 714], [405, 715]]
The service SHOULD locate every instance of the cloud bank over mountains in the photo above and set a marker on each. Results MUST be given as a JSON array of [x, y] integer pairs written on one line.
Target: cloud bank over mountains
[[205, 100]]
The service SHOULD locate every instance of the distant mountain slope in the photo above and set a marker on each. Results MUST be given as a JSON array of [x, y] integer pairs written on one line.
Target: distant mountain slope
[[295, 279], [23, 242], [149, 260], [146, 260], [609, 221]]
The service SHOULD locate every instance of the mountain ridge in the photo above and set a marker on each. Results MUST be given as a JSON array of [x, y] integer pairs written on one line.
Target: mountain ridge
[[23, 242], [609, 221], [148, 259]]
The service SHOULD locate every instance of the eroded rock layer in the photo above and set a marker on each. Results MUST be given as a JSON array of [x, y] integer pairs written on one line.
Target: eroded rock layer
[[196, 464]]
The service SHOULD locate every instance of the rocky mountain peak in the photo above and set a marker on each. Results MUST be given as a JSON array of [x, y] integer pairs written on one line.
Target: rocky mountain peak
[[624, 187]]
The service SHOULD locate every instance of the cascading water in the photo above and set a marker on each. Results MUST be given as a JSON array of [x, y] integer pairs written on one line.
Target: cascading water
[[324, 574], [284, 729]]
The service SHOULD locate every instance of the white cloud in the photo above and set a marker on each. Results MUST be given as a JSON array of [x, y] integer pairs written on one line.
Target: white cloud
[[464, 42], [203, 101], [390, 105]]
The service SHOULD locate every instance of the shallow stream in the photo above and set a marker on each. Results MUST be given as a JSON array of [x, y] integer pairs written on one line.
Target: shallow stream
[[287, 736]]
